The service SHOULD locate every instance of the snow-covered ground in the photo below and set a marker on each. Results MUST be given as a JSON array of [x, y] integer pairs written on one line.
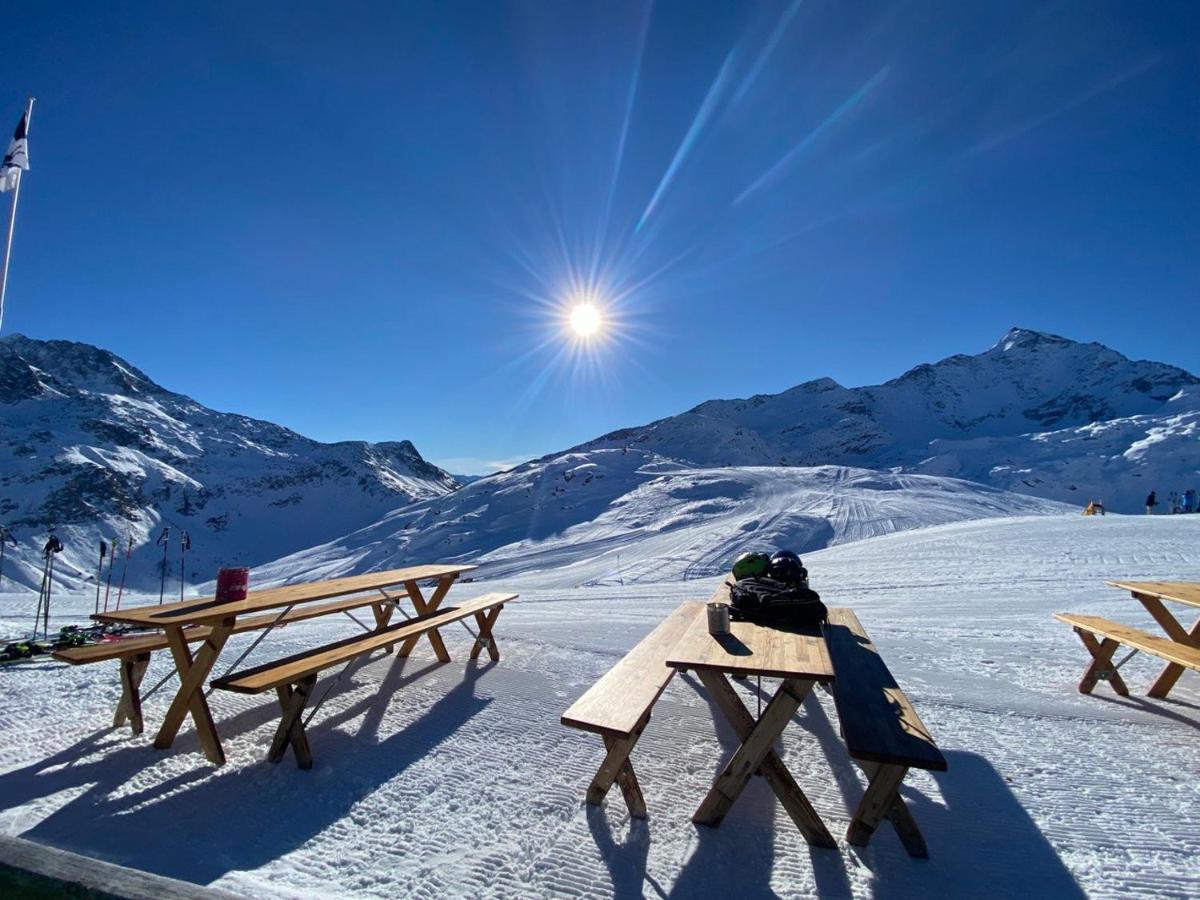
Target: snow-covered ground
[[458, 780]]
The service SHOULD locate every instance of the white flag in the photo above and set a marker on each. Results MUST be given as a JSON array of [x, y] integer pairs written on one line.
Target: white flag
[[17, 157]]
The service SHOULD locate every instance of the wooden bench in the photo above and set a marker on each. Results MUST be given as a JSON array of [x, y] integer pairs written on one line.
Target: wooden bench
[[133, 653], [294, 677], [883, 733], [617, 707], [1114, 634]]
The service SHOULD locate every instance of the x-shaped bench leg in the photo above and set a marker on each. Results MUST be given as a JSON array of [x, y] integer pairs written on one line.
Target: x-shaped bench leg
[[627, 781], [485, 621], [1101, 667], [1175, 631], [617, 768], [424, 608], [383, 614], [133, 670], [882, 800], [757, 753], [190, 696], [291, 727]]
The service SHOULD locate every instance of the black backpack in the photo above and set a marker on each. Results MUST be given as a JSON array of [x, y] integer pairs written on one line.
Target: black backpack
[[766, 601]]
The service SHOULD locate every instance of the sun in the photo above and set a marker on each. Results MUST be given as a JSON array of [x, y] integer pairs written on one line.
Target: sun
[[585, 319]]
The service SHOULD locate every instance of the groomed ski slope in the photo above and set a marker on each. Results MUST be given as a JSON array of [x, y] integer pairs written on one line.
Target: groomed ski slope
[[610, 517], [464, 783]]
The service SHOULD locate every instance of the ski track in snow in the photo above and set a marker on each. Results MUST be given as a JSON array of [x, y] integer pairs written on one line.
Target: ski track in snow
[[459, 781]]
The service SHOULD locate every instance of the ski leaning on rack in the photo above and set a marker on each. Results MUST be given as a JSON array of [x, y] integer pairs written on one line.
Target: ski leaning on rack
[[100, 572], [124, 571], [164, 541], [112, 563]]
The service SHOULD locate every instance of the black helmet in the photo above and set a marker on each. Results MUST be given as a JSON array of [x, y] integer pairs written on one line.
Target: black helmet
[[785, 554], [787, 569]]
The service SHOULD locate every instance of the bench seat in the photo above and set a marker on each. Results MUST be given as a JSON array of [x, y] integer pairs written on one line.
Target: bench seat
[[881, 729], [293, 677], [619, 701], [617, 707], [1164, 648], [292, 669]]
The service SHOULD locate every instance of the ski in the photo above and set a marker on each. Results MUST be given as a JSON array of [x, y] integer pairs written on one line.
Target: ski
[[164, 541]]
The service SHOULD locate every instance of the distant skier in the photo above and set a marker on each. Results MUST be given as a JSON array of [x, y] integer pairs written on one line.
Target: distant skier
[[1151, 502], [1189, 501]]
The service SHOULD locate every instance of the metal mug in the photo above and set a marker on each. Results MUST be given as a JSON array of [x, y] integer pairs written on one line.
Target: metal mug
[[718, 618]]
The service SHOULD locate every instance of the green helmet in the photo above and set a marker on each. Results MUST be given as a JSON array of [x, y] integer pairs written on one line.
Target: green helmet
[[750, 565]]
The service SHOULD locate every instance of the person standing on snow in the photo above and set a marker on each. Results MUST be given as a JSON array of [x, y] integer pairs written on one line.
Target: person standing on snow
[[1151, 502]]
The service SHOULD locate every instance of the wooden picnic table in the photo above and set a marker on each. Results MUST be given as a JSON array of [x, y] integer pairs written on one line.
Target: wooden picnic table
[[193, 671], [801, 659], [1151, 595]]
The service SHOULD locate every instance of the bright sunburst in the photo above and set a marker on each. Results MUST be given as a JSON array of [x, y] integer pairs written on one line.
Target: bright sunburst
[[585, 319]]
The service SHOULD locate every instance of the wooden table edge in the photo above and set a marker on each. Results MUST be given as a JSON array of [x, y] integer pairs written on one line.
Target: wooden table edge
[[136, 614], [1137, 588]]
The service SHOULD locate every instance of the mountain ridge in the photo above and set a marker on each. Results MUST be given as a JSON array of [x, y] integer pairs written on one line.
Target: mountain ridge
[[1028, 385]]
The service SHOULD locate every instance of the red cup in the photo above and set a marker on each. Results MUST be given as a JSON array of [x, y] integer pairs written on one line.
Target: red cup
[[232, 585]]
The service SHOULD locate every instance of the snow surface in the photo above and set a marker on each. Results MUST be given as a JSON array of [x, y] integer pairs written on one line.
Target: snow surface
[[617, 516], [455, 780]]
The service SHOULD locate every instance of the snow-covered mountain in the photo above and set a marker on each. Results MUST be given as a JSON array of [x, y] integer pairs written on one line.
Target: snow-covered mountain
[[93, 448], [607, 516], [1036, 413]]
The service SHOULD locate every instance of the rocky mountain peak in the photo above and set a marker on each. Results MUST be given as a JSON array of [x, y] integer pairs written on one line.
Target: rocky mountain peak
[[29, 367], [1027, 339]]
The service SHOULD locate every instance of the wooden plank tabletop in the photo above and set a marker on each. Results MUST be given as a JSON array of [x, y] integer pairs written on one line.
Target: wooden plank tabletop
[[207, 609], [1186, 592], [753, 650]]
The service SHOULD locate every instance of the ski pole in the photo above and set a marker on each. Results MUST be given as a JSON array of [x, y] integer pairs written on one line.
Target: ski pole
[[100, 571], [37, 616], [124, 572], [185, 544], [49, 588], [5, 537], [53, 547], [164, 539]]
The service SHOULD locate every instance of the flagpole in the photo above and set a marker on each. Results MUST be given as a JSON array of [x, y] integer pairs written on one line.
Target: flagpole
[[12, 217]]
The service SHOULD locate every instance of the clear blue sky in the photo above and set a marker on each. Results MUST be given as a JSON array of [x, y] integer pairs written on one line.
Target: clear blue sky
[[356, 219]]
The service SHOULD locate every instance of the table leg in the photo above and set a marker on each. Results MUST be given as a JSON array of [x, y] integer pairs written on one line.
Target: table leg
[[423, 608], [190, 696], [1176, 632], [757, 753]]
